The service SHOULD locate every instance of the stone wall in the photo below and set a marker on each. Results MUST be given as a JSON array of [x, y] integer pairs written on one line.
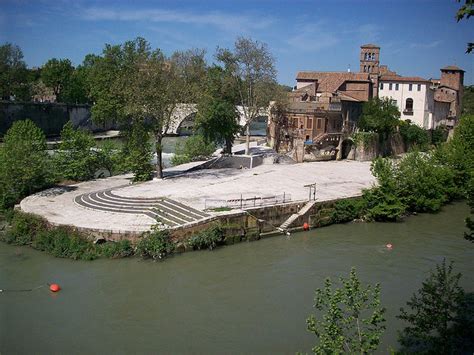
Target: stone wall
[[50, 117]]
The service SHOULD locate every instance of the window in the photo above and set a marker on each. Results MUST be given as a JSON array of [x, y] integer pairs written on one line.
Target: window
[[410, 87], [396, 86], [319, 124], [419, 87], [390, 86], [366, 55], [309, 123], [409, 105], [381, 86], [365, 68]]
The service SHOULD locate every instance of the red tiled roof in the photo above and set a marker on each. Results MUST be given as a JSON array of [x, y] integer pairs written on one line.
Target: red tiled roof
[[415, 79], [331, 81]]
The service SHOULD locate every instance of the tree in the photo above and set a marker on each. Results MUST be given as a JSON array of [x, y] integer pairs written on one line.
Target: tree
[[469, 235], [352, 320], [217, 117], [56, 74], [466, 11], [76, 158], [253, 69], [194, 148], [13, 73], [433, 310], [380, 116], [24, 163]]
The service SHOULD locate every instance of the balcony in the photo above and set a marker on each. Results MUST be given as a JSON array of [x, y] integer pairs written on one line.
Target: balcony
[[408, 112]]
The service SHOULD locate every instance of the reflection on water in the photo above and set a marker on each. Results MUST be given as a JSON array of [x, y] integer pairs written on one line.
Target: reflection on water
[[247, 298]]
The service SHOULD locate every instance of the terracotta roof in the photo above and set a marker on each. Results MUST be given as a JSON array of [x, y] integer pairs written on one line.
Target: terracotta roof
[[369, 45], [344, 96], [415, 79], [331, 81], [452, 67]]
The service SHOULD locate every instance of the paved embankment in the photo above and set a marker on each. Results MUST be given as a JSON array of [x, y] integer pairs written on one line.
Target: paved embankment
[[113, 204]]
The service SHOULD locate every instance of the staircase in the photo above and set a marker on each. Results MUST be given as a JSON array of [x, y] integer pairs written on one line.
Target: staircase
[[284, 226]]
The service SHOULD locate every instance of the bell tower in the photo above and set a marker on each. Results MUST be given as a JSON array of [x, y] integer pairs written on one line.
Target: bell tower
[[369, 63]]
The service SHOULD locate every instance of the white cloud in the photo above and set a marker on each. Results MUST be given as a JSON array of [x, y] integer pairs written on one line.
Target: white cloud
[[312, 37], [427, 45], [216, 18]]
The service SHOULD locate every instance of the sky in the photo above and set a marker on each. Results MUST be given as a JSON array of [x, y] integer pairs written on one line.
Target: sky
[[417, 37]]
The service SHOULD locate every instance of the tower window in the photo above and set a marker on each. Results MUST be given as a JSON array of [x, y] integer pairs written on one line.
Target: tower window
[[410, 87], [365, 68], [419, 87]]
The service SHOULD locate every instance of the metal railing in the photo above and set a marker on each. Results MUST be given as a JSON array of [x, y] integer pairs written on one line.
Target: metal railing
[[246, 202]]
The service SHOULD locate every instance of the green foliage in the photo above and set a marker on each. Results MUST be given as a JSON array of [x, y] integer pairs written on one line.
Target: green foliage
[[364, 139], [413, 135], [466, 11], [56, 74], [137, 153], [13, 73], [380, 116], [23, 228], [432, 312], [120, 249], [194, 148], [25, 166], [469, 235], [347, 210], [439, 135], [155, 244], [217, 117], [208, 238], [109, 157], [77, 157], [468, 100], [351, 318]]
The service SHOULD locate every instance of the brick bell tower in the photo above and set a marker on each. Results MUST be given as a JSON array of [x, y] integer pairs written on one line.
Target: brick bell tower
[[369, 63]]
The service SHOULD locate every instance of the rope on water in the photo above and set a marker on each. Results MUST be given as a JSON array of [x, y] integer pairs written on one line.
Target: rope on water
[[22, 290]]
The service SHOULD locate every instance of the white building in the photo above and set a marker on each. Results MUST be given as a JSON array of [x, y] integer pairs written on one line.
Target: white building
[[412, 95]]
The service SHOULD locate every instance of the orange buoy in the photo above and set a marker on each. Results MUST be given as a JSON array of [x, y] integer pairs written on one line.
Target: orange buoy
[[389, 246], [54, 287], [305, 226]]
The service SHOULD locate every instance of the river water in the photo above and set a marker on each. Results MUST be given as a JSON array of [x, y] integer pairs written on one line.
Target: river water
[[246, 298]]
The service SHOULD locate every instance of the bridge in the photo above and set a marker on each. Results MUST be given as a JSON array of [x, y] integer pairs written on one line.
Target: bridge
[[182, 121]]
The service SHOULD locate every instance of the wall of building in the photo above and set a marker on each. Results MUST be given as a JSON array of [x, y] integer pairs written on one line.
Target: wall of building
[[420, 100]]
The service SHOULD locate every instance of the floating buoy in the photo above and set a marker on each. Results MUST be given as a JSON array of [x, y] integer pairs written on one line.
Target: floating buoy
[[305, 226], [54, 287], [389, 246]]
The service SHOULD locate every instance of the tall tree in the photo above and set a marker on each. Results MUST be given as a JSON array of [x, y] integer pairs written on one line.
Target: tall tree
[[13, 73], [352, 319], [466, 11], [217, 117], [56, 74], [253, 68], [433, 310]]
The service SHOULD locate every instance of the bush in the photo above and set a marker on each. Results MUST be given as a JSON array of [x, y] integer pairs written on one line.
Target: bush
[[25, 166], [208, 238], [194, 148], [120, 249], [23, 228], [347, 210], [439, 135], [155, 244]]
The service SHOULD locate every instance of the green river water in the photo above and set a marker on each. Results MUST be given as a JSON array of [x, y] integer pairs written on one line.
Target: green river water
[[246, 298]]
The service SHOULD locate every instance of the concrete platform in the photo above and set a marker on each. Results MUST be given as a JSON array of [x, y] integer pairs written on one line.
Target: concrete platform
[[191, 190]]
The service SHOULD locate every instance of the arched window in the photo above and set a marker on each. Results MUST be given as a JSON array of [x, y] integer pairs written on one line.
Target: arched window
[[365, 68], [366, 55], [409, 105]]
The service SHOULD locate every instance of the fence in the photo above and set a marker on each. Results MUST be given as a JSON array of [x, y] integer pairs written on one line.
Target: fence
[[247, 202]]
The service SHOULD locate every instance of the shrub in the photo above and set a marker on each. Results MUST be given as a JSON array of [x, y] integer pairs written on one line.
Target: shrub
[[208, 238], [413, 135], [120, 249], [439, 135], [25, 166], [347, 210], [194, 148], [155, 244], [23, 228], [137, 153]]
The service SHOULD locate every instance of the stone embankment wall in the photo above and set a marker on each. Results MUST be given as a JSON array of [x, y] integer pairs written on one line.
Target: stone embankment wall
[[50, 117]]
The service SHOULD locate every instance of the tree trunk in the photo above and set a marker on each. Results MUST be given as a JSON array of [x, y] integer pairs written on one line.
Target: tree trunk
[[159, 160], [228, 146], [247, 139]]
